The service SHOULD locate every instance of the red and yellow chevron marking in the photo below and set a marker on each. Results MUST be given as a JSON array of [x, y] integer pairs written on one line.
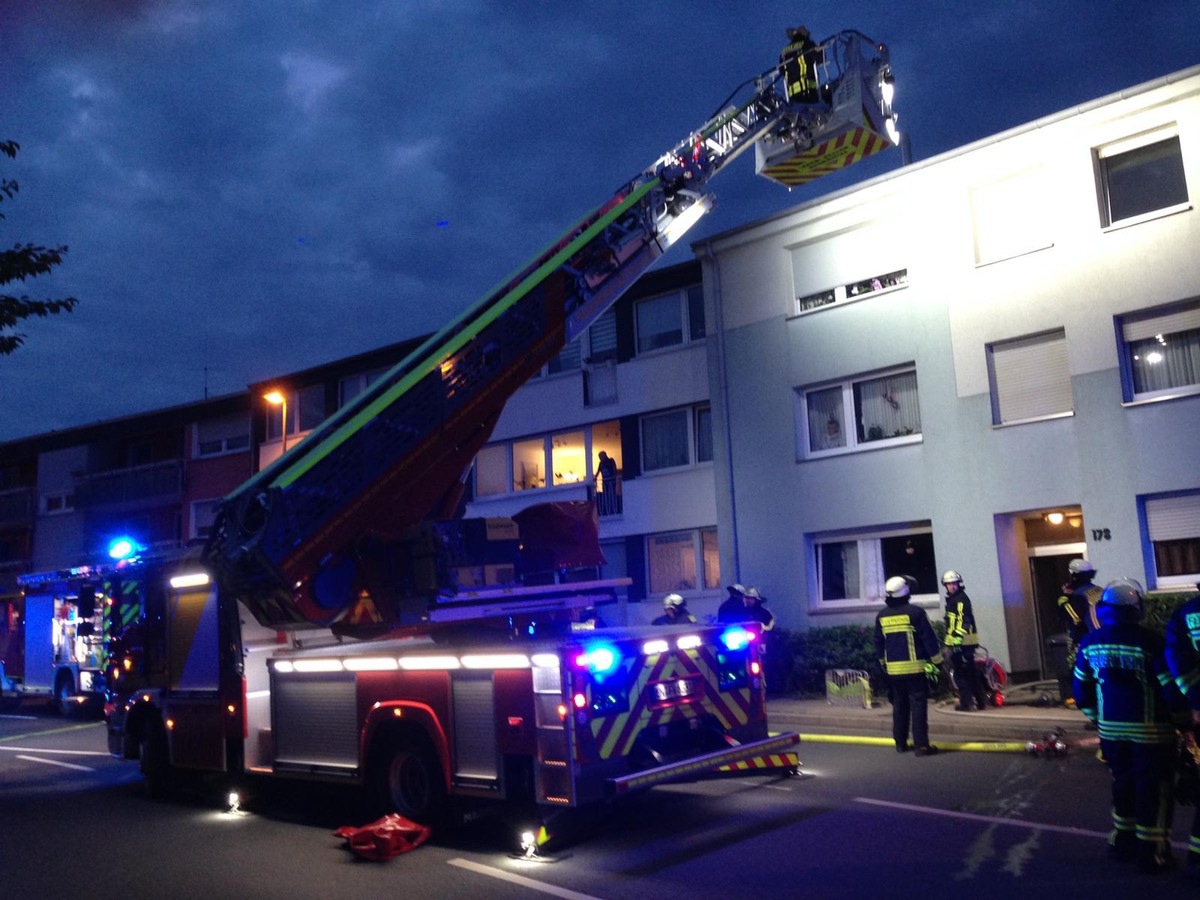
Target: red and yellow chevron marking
[[789, 760], [614, 735], [827, 157]]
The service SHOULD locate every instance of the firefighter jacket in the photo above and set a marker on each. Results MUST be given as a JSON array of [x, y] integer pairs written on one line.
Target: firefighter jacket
[[904, 640], [735, 610], [1183, 650], [1122, 684], [960, 621], [1077, 609]]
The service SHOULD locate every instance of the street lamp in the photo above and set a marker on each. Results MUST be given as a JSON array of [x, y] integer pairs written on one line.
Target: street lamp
[[278, 398]]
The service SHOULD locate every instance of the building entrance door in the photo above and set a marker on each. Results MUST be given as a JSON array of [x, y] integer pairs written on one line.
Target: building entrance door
[[1047, 575]]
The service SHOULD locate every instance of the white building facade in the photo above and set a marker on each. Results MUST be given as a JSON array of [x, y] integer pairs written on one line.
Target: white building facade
[[987, 362]]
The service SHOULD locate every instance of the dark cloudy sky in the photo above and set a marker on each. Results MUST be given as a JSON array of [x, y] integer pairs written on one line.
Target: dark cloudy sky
[[251, 188]]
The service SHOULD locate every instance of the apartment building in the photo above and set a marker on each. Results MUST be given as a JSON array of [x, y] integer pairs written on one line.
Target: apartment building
[[989, 361]]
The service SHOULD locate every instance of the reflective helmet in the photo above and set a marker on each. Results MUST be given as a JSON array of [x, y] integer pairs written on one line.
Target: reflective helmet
[[736, 590], [951, 577], [754, 595], [1123, 592], [1081, 567], [672, 601], [896, 586]]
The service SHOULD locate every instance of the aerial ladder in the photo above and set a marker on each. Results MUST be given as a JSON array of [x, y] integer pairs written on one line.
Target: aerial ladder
[[308, 537]]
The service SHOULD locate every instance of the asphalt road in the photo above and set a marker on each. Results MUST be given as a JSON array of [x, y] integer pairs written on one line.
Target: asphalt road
[[861, 821]]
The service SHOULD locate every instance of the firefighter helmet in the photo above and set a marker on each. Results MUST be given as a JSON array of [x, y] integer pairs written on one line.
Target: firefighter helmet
[[951, 577], [1123, 592], [753, 594], [1081, 567], [897, 586], [673, 601]]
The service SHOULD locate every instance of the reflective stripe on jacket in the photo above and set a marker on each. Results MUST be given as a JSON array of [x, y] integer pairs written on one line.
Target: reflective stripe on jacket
[[905, 641]]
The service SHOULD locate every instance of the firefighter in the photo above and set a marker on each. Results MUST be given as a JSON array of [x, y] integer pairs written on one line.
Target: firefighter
[[675, 612], [909, 655], [1121, 683], [746, 605], [799, 61], [1183, 662], [962, 640], [1077, 605]]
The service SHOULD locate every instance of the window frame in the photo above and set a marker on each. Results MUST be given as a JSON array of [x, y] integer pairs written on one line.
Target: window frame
[[689, 314], [706, 560], [1123, 323], [691, 425], [851, 292], [851, 443], [869, 552], [1168, 514], [1102, 157], [595, 436], [1031, 343]]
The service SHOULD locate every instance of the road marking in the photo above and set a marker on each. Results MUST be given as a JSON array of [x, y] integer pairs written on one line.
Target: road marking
[[65, 728], [51, 750], [521, 880], [991, 820], [54, 762]]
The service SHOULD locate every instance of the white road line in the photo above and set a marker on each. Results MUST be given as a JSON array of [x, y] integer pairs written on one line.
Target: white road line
[[55, 752], [991, 820], [521, 880], [54, 762]]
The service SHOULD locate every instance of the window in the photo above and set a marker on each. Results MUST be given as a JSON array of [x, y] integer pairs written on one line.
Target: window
[[1030, 378], [204, 514], [850, 569], [677, 438], [216, 437], [1160, 352], [669, 320], [854, 290], [683, 561], [1173, 528], [879, 410], [58, 503], [305, 411], [353, 385], [1141, 176], [564, 455]]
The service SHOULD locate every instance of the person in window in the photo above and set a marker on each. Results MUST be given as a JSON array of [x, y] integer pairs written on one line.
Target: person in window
[[675, 612], [909, 656], [799, 61], [607, 499], [833, 435]]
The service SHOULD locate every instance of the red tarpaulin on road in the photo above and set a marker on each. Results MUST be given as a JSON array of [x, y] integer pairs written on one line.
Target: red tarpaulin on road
[[384, 838]]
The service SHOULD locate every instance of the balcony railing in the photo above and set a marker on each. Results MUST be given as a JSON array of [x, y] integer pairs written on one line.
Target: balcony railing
[[157, 481], [16, 506]]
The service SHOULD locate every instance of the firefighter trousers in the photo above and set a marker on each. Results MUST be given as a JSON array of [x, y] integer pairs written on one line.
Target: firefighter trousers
[[910, 705], [1143, 800]]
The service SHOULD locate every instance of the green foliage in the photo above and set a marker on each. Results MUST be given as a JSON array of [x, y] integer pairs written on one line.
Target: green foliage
[[22, 262], [1160, 606]]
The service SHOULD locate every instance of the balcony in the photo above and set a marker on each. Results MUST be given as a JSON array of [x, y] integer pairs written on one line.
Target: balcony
[[132, 486], [16, 507]]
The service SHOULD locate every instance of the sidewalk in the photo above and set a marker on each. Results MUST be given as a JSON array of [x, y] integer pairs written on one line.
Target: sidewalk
[[1026, 716]]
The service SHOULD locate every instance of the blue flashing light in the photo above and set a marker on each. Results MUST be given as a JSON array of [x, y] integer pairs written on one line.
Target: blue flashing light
[[124, 548], [737, 638], [600, 659]]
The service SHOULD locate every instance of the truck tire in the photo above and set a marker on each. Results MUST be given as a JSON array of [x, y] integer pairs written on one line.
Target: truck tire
[[409, 781], [154, 761], [64, 689]]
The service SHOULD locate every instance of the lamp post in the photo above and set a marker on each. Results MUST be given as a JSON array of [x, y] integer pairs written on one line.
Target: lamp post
[[279, 398]]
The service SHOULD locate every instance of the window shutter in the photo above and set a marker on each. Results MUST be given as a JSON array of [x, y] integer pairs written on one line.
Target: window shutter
[[1031, 378], [1173, 518], [1171, 323]]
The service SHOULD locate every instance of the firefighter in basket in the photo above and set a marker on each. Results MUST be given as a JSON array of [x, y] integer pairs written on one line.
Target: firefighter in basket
[[962, 641], [675, 612]]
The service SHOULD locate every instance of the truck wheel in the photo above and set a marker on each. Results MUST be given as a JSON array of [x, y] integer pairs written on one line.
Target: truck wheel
[[411, 783], [64, 689], [154, 761]]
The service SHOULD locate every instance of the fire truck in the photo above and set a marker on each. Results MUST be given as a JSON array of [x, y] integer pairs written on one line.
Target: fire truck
[[341, 624], [51, 642]]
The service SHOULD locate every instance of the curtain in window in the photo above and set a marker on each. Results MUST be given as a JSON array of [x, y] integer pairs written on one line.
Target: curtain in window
[[887, 407], [665, 440], [837, 569], [672, 559], [712, 558], [1163, 362], [704, 444], [826, 419], [659, 323]]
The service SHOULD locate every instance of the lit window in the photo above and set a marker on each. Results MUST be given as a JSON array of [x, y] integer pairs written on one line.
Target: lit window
[[1141, 176], [1173, 526], [854, 290], [1160, 352], [1030, 378], [850, 569], [683, 561], [875, 411]]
